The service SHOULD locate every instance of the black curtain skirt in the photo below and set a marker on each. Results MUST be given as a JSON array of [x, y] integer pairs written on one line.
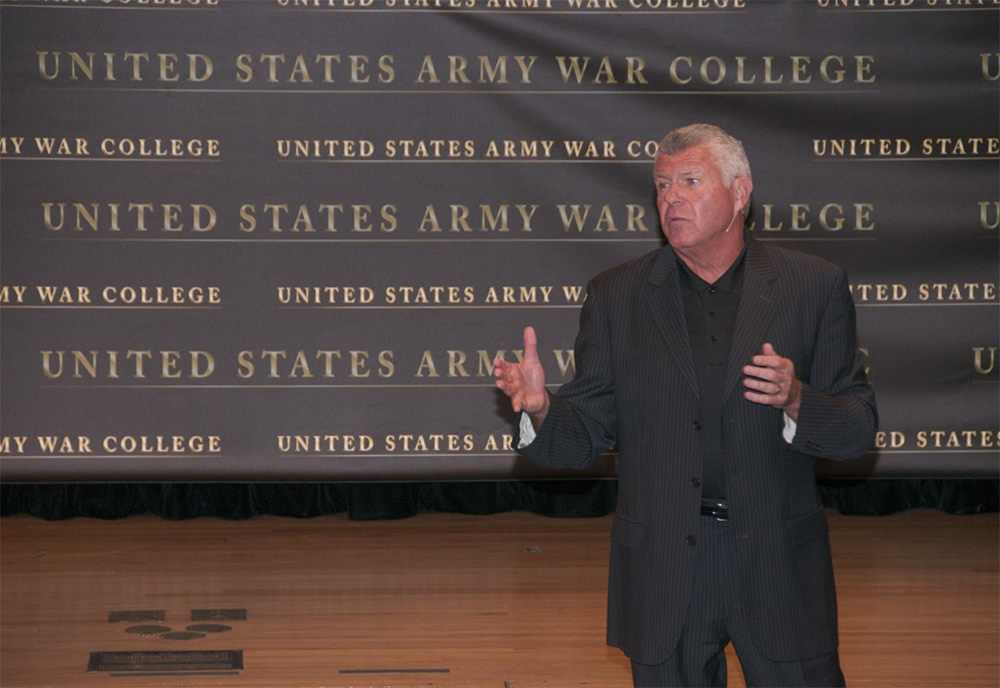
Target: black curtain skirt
[[372, 501]]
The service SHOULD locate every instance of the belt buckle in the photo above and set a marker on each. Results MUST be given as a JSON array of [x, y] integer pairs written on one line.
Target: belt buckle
[[718, 511]]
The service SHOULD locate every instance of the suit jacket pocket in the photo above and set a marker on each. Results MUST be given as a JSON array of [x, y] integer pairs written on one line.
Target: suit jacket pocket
[[806, 528], [627, 533]]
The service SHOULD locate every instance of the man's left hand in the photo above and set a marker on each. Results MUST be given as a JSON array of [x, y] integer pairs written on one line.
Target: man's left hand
[[771, 380]]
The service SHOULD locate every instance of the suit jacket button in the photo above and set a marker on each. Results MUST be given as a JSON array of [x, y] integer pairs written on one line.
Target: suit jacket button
[[695, 483], [691, 540], [696, 425]]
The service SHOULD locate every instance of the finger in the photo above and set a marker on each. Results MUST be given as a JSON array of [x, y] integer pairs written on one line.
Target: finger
[[761, 386], [530, 344], [768, 356], [766, 396], [761, 374]]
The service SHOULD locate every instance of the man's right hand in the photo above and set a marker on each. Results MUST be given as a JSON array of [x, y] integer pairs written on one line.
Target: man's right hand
[[524, 382]]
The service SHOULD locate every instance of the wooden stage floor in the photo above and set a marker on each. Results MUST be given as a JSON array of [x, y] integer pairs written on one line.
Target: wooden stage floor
[[439, 600]]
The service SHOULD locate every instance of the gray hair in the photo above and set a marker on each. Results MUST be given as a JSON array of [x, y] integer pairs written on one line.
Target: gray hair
[[726, 150]]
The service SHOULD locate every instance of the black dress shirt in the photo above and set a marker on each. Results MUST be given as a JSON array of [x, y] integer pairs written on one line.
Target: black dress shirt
[[710, 310]]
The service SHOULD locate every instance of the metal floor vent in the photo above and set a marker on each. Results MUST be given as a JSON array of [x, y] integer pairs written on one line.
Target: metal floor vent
[[166, 662]]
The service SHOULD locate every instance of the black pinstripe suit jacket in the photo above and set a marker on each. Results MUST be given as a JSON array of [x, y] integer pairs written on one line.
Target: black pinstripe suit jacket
[[636, 386]]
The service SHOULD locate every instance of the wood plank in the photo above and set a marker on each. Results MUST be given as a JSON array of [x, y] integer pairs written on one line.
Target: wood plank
[[441, 600]]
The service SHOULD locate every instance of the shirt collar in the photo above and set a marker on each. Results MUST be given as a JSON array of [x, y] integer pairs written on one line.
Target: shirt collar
[[730, 281]]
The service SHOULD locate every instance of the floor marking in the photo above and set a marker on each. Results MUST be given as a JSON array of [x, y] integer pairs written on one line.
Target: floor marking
[[395, 671]]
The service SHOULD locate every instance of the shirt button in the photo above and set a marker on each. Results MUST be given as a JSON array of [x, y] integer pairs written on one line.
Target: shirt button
[[695, 483], [691, 540]]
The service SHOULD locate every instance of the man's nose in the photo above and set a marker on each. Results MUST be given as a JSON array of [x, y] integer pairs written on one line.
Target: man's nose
[[671, 196]]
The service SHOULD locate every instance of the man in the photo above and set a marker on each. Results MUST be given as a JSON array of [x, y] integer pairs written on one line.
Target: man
[[720, 366]]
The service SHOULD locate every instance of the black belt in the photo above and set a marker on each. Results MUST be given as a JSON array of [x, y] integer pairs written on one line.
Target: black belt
[[716, 508]]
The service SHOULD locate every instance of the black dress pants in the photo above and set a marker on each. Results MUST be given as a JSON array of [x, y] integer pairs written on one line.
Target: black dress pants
[[700, 658]]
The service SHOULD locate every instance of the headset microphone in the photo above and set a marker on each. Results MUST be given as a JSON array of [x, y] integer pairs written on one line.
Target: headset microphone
[[730, 225]]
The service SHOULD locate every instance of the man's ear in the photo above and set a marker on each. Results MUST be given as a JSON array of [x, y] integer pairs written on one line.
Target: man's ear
[[744, 188]]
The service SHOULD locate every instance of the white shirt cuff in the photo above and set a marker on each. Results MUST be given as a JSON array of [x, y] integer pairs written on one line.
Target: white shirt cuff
[[527, 431], [790, 427]]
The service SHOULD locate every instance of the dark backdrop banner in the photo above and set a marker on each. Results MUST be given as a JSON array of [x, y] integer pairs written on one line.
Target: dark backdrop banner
[[283, 240]]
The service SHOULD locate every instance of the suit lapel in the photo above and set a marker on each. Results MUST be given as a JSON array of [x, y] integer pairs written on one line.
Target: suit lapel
[[667, 312], [757, 302]]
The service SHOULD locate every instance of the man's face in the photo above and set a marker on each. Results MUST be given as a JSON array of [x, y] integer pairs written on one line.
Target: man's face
[[694, 204]]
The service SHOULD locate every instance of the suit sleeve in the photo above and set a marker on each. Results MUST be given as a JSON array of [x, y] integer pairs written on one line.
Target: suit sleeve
[[838, 417], [580, 424]]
